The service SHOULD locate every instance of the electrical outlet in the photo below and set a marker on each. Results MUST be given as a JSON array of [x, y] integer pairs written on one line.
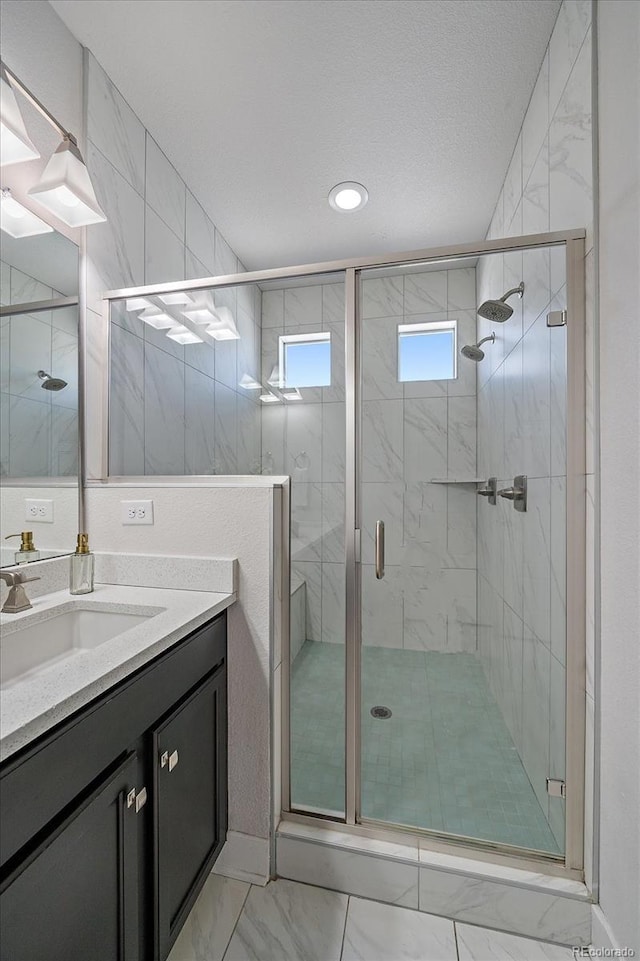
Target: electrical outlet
[[38, 511], [137, 512]]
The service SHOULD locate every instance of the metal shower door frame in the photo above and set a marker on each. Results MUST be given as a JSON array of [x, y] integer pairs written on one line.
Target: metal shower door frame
[[573, 861]]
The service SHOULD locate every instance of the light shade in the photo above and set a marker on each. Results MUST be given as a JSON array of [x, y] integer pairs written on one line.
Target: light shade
[[15, 144], [66, 190], [157, 319], [17, 221], [200, 315], [223, 333], [184, 336], [269, 398], [177, 299], [137, 303], [249, 383]]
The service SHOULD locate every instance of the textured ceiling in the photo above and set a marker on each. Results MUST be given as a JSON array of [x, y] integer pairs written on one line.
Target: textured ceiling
[[264, 105]]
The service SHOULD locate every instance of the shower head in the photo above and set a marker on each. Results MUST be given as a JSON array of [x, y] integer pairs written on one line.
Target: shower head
[[499, 310], [473, 352], [49, 382]]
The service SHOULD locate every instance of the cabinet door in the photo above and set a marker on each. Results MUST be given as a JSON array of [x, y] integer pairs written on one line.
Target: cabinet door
[[190, 803], [74, 897]]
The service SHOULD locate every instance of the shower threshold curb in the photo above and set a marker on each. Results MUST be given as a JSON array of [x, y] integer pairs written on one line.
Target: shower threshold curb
[[509, 899]]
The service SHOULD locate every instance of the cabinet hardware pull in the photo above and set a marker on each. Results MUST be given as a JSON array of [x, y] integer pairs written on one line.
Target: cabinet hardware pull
[[169, 759], [139, 798]]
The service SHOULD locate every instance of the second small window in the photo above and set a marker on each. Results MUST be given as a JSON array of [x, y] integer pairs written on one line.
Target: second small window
[[427, 351], [305, 360]]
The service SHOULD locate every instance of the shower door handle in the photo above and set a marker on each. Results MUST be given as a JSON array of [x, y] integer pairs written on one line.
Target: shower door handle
[[379, 550]]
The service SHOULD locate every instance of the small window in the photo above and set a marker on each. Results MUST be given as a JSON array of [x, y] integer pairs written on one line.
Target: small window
[[427, 351], [305, 360]]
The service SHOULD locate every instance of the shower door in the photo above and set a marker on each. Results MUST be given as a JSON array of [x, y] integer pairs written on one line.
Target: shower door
[[461, 600]]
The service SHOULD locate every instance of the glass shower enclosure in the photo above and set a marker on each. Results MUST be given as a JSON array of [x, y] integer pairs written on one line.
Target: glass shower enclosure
[[429, 411], [434, 687]]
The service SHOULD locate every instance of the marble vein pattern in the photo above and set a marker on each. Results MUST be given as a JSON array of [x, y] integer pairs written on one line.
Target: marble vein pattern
[[357, 873], [200, 235], [164, 251], [226, 261], [566, 41], [425, 292], [29, 437], [115, 249], [163, 413], [199, 414], [513, 185], [479, 944], [114, 128], [165, 190], [570, 152], [289, 922], [379, 932], [303, 307], [209, 927], [536, 121], [226, 449], [382, 297]]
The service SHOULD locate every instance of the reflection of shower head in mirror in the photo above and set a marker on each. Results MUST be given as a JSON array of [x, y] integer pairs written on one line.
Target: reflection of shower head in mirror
[[51, 383], [499, 310]]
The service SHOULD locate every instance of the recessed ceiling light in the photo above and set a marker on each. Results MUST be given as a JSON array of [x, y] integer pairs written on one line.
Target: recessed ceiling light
[[348, 196]]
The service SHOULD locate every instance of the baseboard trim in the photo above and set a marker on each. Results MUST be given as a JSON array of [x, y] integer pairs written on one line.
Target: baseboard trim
[[245, 858]]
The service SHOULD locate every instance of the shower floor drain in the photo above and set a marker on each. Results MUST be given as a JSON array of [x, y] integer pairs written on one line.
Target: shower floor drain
[[379, 711]]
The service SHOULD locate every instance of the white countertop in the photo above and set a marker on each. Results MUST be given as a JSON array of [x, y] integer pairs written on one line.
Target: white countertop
[[31, 706]]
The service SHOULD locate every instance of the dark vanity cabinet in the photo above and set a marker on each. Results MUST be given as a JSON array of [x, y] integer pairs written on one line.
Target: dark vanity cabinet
[[111, 822]]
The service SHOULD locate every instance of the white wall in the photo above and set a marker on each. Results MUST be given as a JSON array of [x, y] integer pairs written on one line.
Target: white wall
[[220, 522], [619, 255]]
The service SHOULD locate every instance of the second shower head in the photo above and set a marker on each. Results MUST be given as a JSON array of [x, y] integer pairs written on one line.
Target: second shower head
[[473, 351], [51, 383], [499, 310]]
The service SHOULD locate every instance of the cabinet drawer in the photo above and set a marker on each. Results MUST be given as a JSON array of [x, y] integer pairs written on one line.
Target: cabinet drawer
[[40, 782]]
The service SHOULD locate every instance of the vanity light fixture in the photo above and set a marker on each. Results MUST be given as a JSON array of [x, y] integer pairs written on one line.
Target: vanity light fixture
[[223, 333], [249, 383], [64, 187], [182, 335], [19, 222], [292, 394], [269, 398], [348, 196], [223, 326], [15, 144]]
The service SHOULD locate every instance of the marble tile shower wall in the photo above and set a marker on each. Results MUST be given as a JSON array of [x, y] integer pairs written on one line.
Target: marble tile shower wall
[[174, 409], [412, 433], [521, 410], [39, 431]]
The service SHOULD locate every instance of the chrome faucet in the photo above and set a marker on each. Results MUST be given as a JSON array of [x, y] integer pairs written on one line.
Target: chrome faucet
[[17, 599]]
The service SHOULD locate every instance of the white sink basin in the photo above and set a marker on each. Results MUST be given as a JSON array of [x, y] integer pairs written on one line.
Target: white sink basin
[[29, 647]]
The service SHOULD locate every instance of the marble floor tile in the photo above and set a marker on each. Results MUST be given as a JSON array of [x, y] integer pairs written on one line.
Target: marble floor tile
[[285, 921], [479, 944], [380, 932], [210, 925]]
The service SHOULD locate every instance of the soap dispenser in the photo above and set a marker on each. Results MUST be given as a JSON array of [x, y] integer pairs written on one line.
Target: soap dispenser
[[81, 580], [27, 550]]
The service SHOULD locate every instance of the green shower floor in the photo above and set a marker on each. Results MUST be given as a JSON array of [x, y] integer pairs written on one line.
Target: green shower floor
[[444, 760]]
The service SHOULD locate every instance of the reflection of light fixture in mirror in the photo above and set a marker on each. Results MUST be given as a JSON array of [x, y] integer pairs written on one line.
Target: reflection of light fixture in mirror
[[137, 303], [184, 336], [269, 398], [292, 394], [249, 383], [223, 326], [17, 221], [65, 187], [179, 299], [15, 143], [223, 333], [156, 318], [273, 379], [200, 315]]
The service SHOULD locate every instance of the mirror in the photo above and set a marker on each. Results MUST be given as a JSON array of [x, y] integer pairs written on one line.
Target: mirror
[[38, 394]]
